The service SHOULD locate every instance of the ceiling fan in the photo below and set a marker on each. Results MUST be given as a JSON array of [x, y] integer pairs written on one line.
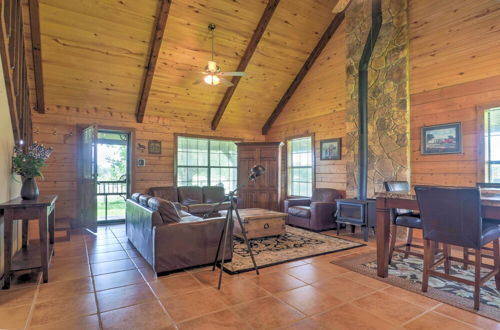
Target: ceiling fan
[[213, 74]]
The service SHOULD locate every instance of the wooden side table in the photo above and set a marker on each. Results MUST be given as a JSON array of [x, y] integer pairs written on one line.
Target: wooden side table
[[34, 256]]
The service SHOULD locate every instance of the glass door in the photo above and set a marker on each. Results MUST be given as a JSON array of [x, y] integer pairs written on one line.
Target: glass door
[[112, 175]]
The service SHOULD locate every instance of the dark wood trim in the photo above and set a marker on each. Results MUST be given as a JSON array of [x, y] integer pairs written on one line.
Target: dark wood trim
[[480, 109], [36, 47], [245, 59], [154, 50], [285, 161], [327, 35]]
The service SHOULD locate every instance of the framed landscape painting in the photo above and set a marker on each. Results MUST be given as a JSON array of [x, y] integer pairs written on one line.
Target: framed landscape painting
[[442, 139], [331, 149]]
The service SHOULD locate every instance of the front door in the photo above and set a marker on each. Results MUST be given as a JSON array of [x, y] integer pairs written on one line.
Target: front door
[[88, 176]]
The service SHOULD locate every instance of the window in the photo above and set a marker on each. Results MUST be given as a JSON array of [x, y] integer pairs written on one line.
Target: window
[[206, 162], [492, 145], [300, 166]]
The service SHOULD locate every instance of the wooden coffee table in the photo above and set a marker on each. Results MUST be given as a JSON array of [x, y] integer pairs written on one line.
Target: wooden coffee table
[[259, 223]]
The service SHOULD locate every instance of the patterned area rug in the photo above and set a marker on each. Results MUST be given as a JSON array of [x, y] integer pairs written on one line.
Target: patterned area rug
[[407, 274], [294, 245]]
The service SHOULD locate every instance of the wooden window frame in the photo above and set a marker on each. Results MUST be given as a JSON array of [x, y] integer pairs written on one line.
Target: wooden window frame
[[285, 162], [480, 154], [196, 136]]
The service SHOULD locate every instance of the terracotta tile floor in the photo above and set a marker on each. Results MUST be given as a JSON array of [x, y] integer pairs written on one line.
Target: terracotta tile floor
[[101, 282]]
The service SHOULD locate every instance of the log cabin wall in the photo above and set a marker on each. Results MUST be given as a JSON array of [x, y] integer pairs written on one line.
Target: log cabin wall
[[455, 65], [61, 173], [318, 106]]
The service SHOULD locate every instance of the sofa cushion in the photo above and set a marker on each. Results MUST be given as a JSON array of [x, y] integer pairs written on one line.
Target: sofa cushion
[[200, 208], [190, 195], [325, 195], [143, 199], [167, 193], [223, 206], [214, 194], [167, 209], [135, 197], [300, 211]]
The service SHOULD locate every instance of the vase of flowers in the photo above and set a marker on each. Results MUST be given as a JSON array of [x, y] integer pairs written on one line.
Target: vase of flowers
[[28, 163]]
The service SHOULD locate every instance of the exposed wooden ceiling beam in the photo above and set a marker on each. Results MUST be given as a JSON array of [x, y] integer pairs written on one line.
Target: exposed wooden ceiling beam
[[251, 47], [154, 49], [36, 47], [330, 31]]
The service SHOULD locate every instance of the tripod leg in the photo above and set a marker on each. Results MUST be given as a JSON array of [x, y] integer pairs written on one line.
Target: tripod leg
[[224, 237], [220, 240], [246, 241]]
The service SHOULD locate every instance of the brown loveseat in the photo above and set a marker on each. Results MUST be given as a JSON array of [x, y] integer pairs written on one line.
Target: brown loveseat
[[195, 200], [170, 238]]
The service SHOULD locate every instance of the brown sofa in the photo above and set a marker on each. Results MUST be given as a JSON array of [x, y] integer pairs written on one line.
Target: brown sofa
[[170, 238], [315, 213], [195, 200]]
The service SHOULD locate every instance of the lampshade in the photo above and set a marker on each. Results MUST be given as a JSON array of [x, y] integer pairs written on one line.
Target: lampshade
[[212, 79], [255, 172]]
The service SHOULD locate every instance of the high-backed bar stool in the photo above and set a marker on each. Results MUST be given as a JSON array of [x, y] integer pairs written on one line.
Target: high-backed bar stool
[[403, 218], [452, 215], [482, 186]]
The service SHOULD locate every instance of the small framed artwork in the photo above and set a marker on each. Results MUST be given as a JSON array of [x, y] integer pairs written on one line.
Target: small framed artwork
[[154, 147], [441, 139], [141, 162], [331, 149]]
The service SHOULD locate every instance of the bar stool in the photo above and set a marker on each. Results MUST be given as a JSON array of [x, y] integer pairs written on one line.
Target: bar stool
[[452, 215], [403, 218]]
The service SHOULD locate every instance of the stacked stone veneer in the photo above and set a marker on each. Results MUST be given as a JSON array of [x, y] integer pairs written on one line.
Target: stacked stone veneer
[[388, 104]]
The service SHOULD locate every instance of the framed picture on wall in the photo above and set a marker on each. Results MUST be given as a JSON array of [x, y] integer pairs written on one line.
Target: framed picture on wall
[[441, 139], [154, 147], [331, 149]]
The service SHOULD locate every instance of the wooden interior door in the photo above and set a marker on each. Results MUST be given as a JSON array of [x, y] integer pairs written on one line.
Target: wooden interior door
[[88, 178], [264, 192]]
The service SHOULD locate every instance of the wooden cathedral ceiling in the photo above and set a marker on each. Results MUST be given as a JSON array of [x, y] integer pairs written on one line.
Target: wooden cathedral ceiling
[[94, 55]]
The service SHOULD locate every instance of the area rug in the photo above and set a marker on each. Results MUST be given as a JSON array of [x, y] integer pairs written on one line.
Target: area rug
[[407, 274], [296, 244]]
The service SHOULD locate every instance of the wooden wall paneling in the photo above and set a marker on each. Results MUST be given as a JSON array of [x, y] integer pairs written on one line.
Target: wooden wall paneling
[[61, 174], [453, 42], [245, 59], [155, 44], [94, 55], [291, 35], [329, 32]]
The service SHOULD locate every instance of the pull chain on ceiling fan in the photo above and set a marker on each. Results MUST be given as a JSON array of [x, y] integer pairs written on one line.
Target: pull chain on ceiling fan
[[213, 74]]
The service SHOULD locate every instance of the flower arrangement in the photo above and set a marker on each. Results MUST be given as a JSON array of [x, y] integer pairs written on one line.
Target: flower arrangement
[[29, 163]]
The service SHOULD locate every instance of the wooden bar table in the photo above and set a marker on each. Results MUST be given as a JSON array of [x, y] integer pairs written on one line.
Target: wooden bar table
[[34, 256], [390, 200]]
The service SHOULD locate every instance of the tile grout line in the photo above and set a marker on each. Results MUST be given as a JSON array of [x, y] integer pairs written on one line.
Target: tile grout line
[[93, 284], [149, 286]]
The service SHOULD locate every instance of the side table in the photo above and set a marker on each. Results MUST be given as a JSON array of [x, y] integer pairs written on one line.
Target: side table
[[34, 256]]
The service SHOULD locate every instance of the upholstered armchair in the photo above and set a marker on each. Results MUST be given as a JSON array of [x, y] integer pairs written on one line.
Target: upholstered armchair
[[315, 213]]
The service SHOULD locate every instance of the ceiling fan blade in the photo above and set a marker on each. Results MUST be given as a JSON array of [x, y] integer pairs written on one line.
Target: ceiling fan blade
[[197, 81], [225, 82], [233, 74]]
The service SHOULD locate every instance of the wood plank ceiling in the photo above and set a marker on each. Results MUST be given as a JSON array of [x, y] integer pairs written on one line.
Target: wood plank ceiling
[[94, 55]]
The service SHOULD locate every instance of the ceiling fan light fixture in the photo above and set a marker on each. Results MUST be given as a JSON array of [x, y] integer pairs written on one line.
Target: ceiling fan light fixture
[[212, 66], [212, 79]]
